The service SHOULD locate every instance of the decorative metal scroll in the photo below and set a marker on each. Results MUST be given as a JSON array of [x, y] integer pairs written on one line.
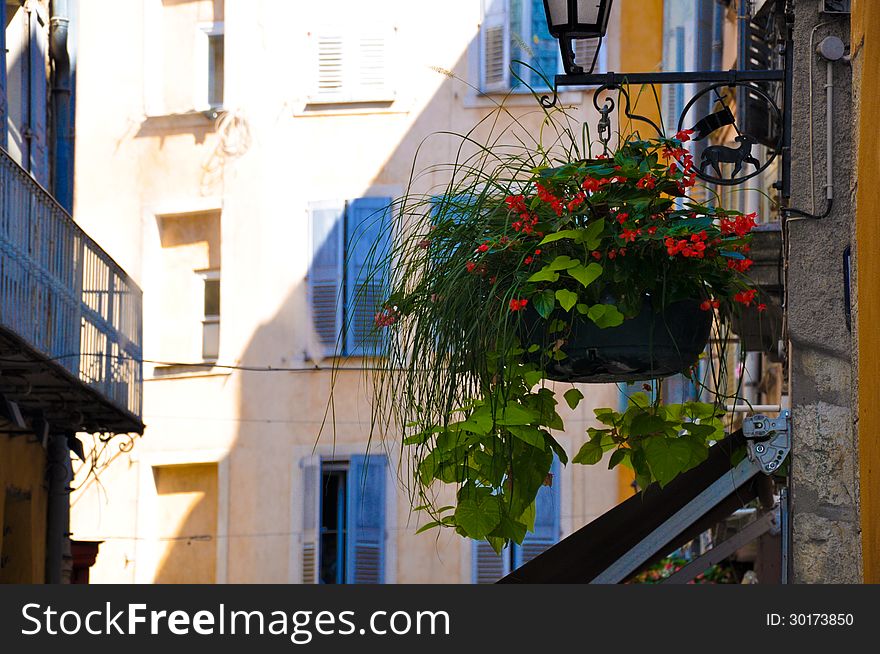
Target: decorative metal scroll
[[719, 164], [741, 158]]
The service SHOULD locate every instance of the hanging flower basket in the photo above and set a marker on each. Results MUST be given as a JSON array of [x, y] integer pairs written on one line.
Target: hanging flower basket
[[651, 345], [537, 263]]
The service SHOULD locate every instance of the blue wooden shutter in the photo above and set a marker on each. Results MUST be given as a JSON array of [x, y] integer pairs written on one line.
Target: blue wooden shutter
[[544, 47], [325, 274], [547, 523], [487, 567], [311, 528], [37, 49], [3, 111], [365, 529], [368, 234]]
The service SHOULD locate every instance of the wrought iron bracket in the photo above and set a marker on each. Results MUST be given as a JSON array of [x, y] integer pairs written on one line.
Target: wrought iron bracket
[[709, 81], [769, 440]]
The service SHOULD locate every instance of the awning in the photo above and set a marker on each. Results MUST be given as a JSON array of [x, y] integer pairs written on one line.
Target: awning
[[652, 524]]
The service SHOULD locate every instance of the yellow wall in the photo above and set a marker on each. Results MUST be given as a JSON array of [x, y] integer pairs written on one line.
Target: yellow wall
[[866, 53], [23, 504]]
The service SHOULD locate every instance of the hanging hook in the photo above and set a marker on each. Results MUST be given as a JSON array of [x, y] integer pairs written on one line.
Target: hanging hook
[[604, 126]]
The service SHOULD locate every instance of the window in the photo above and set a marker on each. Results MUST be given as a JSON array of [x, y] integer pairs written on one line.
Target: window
[[211, 320], [184, 56], [351, 65], [515, 31], [211, 47], [23, 83], [184, 310], [488, 567], [344, 530], [343, 298]]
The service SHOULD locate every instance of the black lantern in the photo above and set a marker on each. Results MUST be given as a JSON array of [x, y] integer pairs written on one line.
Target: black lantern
[[585, 20]]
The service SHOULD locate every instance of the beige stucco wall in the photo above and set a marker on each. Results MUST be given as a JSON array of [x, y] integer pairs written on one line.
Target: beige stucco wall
[[254, 428]]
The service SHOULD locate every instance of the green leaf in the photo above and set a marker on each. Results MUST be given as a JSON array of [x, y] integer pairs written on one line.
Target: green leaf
[[529, 515], [605, 315], [590, 236], [583, 309], [544, 303], [645, 424], [590, 452], [528, 434], [566, 298], [478, 516], [532, 377], [617, 457], [557, 448], [426, 527], [573, 397], [565, 233], [544, 275], [699, 430], [563, 262], [516, 414], [666, 457], [586, 275]]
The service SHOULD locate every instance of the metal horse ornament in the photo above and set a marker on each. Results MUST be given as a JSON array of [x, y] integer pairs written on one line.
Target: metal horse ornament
[[715, 155]]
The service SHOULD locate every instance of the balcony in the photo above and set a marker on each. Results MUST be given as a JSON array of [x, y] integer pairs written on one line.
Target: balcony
[[70, 319]]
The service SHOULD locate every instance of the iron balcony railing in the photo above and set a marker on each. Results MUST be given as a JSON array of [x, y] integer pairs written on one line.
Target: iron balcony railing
[[64, 296]]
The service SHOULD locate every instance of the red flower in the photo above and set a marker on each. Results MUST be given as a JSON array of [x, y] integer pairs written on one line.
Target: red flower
[[705, 305], [518, 305], [762, 307], [684, 135], [629, 235], [622, 217], [652, 230], [545, 195], [537, 252], [528, 260], [745, 297], [483, 248], [646, 182], [470, 265], [612, 254], [596, 255]]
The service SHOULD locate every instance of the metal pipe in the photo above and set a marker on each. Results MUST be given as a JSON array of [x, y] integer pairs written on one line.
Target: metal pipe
[[756, 408], [58, 514], [829, 130], [62, 133]]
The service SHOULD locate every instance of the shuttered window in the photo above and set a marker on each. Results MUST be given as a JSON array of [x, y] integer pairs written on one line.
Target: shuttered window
[[516, 47], [352, 65], [345, 290], [488, 567], [38, 47], [344, 530]]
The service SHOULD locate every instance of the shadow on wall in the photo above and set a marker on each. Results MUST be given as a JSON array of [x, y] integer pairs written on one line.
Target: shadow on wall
[[280, 414]]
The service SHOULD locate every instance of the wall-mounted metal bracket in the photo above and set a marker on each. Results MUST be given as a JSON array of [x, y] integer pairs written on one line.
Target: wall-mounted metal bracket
[[768, 439]]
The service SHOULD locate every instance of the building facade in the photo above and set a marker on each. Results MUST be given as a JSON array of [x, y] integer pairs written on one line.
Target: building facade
[[69, 314], [242, 141]]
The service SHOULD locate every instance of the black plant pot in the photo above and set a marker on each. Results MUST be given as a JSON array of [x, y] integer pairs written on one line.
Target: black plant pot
[[649, 346]]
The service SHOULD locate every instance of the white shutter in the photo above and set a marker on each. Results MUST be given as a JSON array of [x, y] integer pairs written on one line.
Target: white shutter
[[352, 65], [586, 51], [311, 495], [495, 47]]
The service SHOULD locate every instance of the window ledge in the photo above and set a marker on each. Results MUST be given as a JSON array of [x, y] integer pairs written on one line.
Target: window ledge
[[477, 100], [186, 372]]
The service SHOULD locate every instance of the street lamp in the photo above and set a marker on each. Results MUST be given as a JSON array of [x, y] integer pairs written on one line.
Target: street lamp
[[577, 19]]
